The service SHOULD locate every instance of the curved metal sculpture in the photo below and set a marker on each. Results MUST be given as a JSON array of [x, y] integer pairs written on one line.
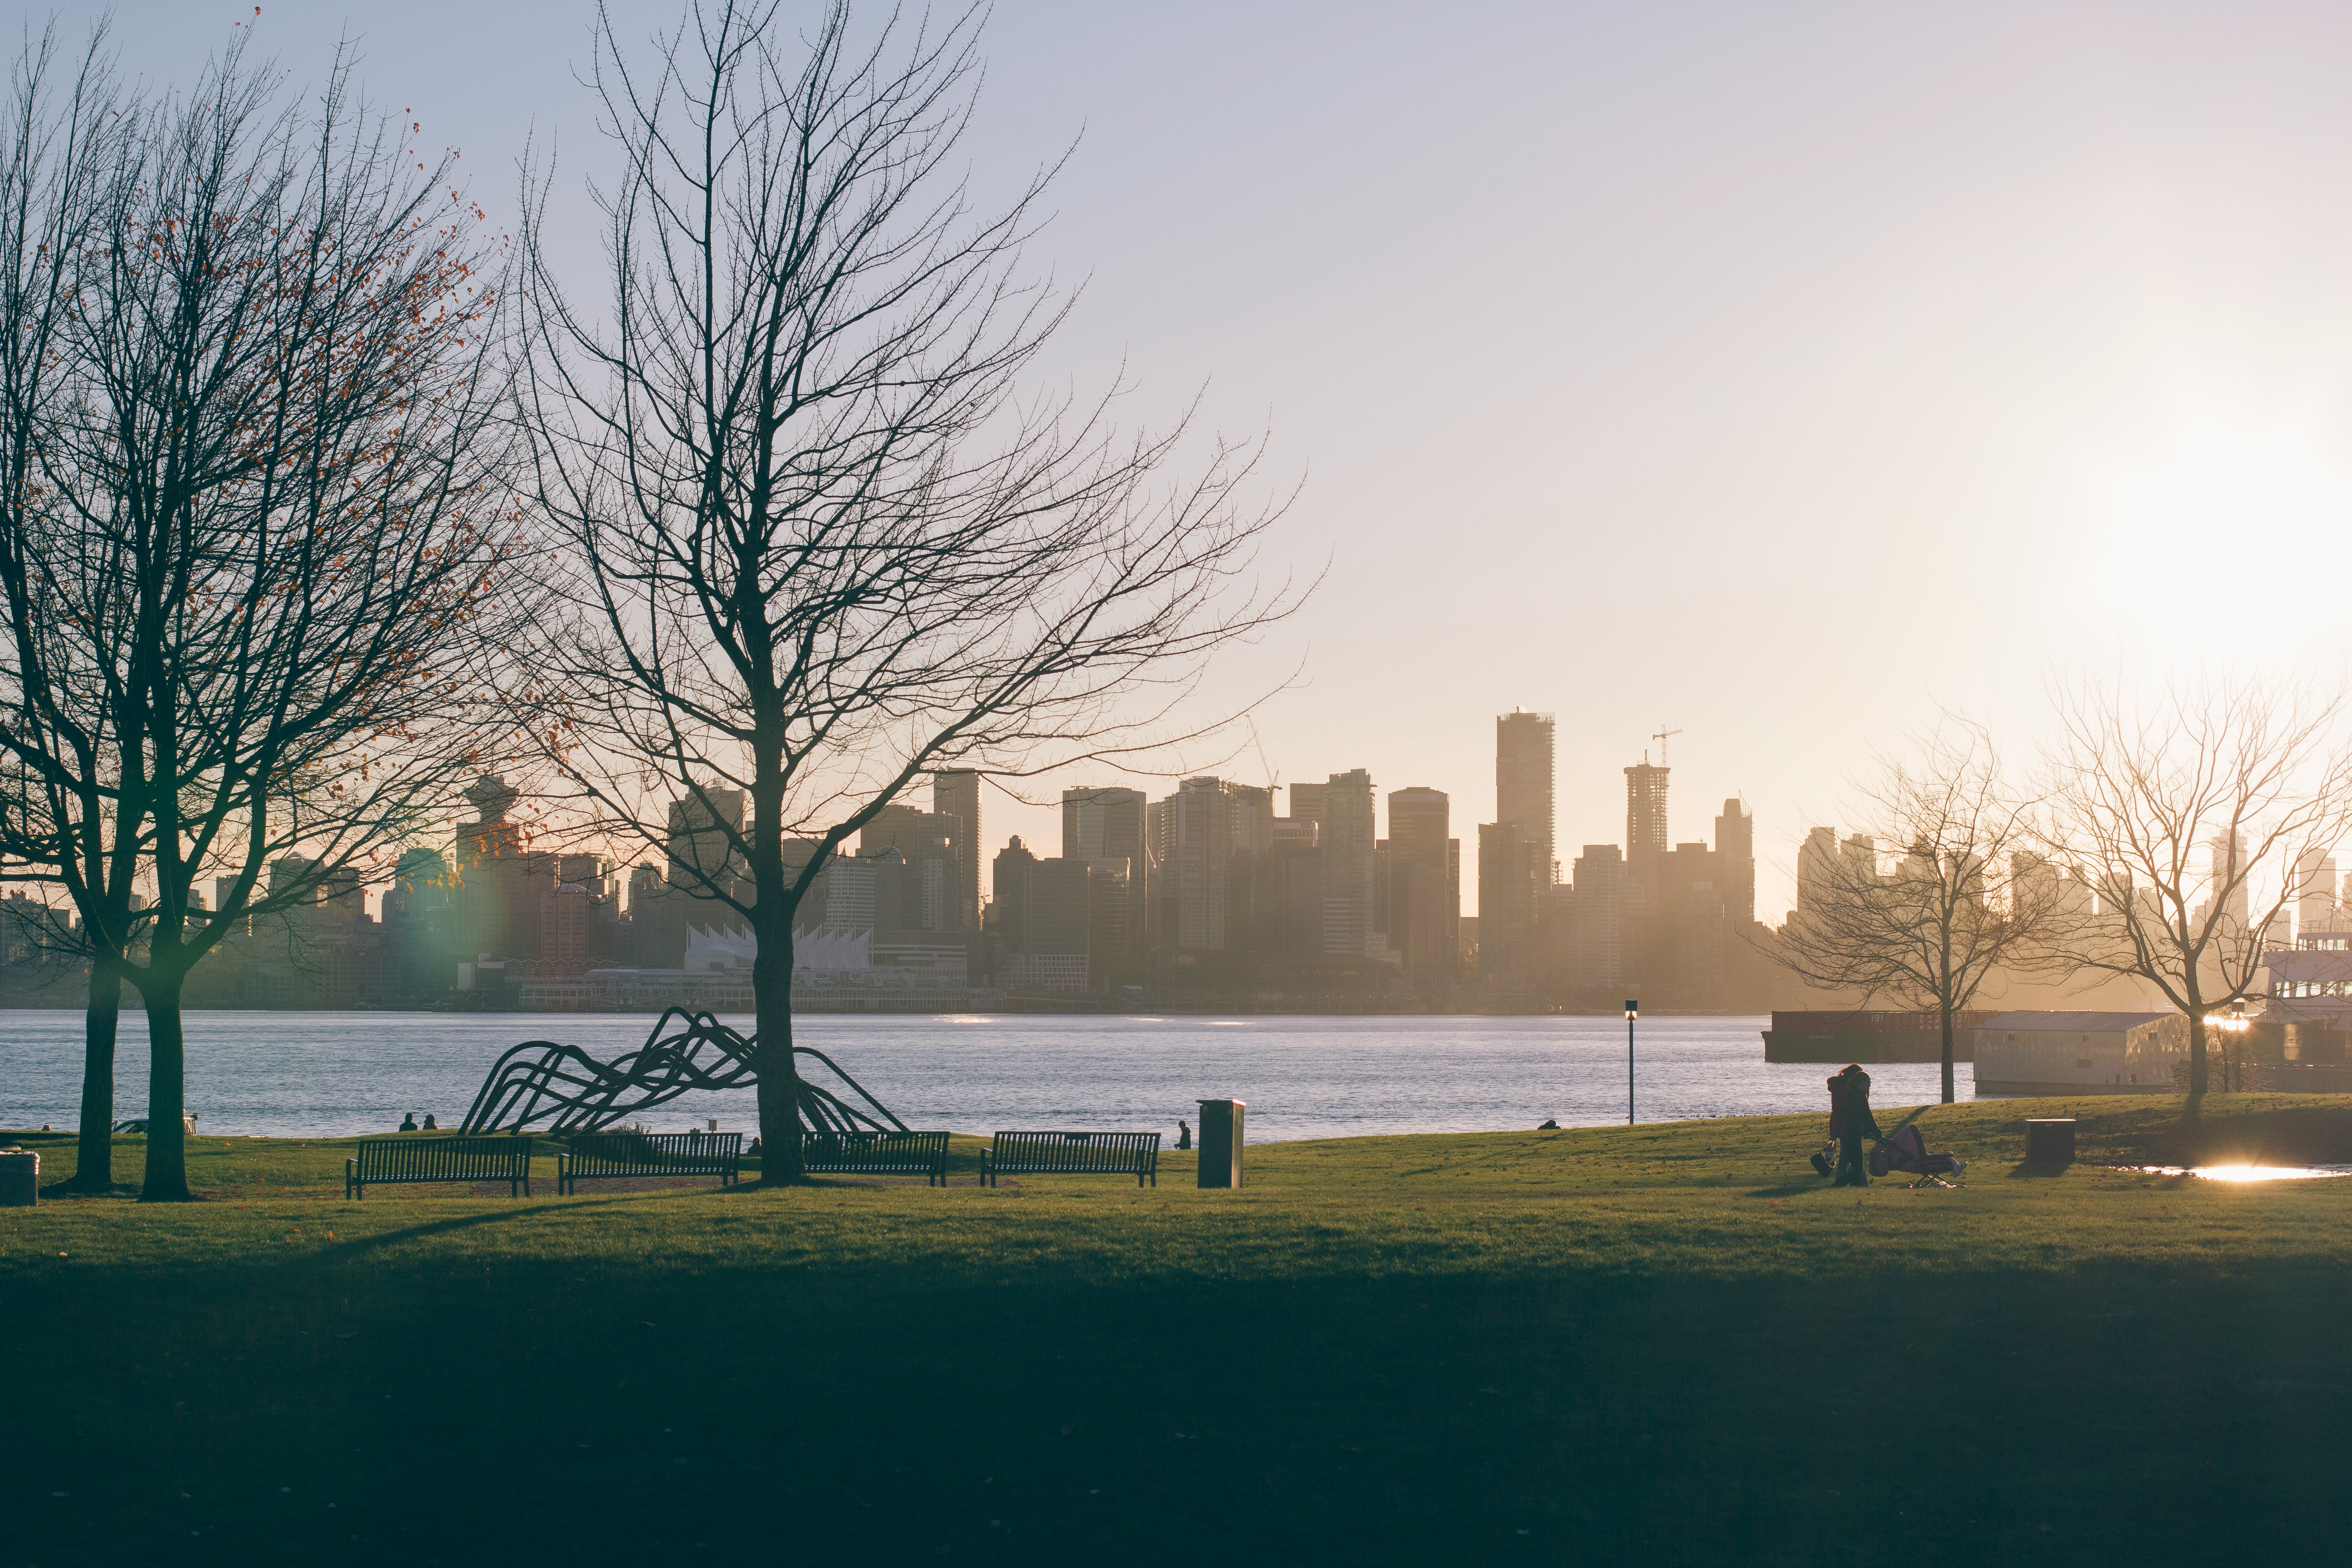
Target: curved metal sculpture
[[577, 1093]]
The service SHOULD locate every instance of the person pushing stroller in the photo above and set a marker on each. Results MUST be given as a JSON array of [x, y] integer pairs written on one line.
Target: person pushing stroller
[[1850, 1122]]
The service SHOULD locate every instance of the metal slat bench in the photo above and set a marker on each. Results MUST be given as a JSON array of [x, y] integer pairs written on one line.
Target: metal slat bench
[[923, 1155], [602, 1156], [1133, 1154], [389, 1162]]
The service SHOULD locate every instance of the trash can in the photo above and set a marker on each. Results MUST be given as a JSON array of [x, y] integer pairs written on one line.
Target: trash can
[[20, 1178], [1220, 1142], [2050, 1141]]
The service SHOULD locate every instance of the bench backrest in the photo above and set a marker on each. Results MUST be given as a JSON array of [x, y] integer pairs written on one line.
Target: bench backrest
[[656, 1153], [1047, 1153], [875, 1153], [444, 1159]]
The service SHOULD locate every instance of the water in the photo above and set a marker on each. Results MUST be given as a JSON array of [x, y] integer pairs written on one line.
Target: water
[[338, 1073]]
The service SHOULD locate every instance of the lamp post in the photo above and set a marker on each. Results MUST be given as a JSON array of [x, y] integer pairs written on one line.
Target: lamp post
[[1632, 1011]]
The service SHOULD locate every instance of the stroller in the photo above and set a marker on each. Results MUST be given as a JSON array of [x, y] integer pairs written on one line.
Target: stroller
[[1904, 1150]]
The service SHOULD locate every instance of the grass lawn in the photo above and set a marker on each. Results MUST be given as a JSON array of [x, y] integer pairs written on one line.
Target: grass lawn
[[1672, 1343]]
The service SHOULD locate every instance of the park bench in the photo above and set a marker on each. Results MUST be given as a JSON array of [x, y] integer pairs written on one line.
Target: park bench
[[391, 1160], [923, 1155], [601, 1156], [1133, 1154]]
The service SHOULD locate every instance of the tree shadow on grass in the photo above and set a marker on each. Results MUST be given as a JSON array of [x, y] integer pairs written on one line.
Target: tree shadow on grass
[[1790, 1189], [523, 1208]]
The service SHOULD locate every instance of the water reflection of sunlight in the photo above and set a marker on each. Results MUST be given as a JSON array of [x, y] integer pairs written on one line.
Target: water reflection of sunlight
[[2249, 1172]]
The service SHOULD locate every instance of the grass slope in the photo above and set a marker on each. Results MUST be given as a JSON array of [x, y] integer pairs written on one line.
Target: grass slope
[[1667, 1344]]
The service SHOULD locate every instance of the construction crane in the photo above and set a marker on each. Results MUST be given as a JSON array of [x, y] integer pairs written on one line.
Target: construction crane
[[1661, 739], [1273, 779]]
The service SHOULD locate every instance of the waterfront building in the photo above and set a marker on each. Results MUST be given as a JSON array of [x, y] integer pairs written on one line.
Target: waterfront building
[[2079, 1052]]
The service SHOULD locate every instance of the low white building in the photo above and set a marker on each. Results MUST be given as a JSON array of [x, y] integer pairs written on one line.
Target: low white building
[[2079, 1053]]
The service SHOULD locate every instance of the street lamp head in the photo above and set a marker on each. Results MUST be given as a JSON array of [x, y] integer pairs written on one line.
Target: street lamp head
[[1632, 1010]]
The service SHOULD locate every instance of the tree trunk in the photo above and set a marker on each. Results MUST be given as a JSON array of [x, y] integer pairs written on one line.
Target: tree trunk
[[2196, 1052], [1945, 1009], [780, 1086], [94, 1163], [167, 1143]]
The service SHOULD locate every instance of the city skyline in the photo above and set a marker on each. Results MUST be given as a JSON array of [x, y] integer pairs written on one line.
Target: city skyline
[[1774, 315]]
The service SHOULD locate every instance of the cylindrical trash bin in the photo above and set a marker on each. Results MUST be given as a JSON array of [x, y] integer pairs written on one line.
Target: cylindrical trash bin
[[20, 1178], [1220, 1142], [2050, 1141]]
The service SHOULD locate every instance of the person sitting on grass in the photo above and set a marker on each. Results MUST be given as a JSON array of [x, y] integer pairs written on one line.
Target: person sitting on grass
[[408, 1122], [1850, 1122]]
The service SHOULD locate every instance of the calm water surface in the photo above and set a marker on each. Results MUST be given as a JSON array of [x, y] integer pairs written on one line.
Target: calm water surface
[[334, 1073]]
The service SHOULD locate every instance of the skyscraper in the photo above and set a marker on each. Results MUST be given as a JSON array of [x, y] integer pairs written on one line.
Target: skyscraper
[[1343, 810], [955, 792], [926, 841], [1645, 811], [1735, 840], [2315, 889], [1817, 872], [1523, 779], [1200, 854], [1595, 951], [1509, 886], [1102, 823], [1423, 920]]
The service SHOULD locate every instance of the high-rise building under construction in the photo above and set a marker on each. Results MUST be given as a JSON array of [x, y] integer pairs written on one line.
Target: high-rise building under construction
[[1645, 811]]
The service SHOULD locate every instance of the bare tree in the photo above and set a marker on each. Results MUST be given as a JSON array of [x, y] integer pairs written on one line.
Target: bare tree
[[1967, 897], [2173, 809], [822, 544], [267, 525], [61, 737]]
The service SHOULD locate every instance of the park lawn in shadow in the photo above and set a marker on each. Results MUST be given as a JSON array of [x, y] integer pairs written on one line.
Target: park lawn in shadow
[[1664, 1343]]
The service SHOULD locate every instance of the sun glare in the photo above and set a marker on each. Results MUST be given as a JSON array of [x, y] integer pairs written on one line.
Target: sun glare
[[2176, 534], [2253, 1172]]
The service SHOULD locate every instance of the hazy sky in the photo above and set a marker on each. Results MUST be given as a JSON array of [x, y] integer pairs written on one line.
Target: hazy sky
[[1774, 373]]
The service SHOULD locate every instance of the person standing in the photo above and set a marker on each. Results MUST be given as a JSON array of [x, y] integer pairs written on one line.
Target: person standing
[[1850, 1123]]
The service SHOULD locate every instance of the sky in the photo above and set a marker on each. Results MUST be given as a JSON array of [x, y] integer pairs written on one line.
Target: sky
[[1780, 374]]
